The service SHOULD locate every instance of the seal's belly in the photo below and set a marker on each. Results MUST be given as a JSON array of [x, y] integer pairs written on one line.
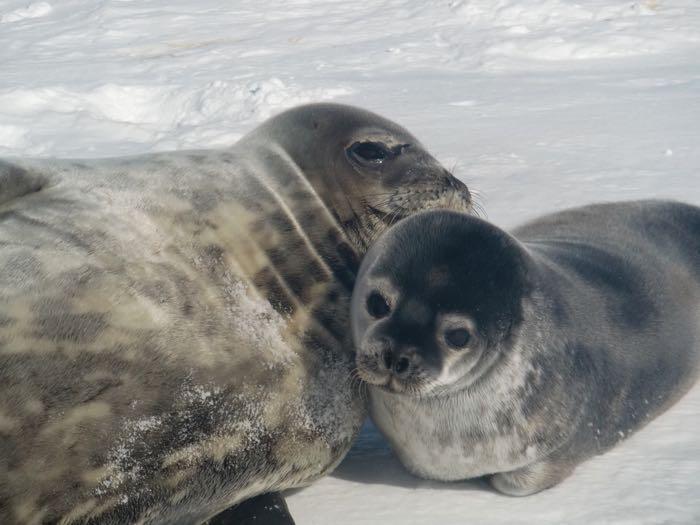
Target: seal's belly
[[441, 443], [451, 457]]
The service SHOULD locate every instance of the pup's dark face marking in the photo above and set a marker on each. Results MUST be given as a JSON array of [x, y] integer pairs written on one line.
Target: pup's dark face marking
[[436, 297]]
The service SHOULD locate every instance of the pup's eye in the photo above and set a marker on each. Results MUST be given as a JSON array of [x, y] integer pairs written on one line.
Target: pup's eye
[[377, 306], [370, 152], [457, 337]]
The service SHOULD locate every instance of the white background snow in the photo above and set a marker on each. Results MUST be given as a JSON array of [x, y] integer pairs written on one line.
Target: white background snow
[[536, 104]]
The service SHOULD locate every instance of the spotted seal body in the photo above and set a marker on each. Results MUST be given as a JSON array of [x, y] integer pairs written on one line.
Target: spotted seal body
[[517, 357], [174, 332]]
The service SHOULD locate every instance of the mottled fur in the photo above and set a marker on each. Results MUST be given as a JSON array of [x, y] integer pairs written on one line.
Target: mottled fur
[[174, 327], [584, 326]]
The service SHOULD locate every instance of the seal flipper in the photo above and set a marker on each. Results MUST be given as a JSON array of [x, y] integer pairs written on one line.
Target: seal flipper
[[531, 478], [16, 181], [266, 509]]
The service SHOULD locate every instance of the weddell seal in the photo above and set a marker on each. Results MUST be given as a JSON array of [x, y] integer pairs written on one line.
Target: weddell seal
[[174, 327], [518, 356]]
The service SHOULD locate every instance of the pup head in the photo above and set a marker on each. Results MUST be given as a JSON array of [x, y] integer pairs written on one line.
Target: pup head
[[436, 297]]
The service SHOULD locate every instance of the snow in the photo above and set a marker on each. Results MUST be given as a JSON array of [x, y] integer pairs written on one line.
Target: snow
[[536, 104]]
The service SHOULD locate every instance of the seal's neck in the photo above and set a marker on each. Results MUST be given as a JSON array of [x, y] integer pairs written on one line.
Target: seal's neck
[[338, 216]]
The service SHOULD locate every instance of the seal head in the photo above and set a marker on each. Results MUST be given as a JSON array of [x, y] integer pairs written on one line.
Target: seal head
[[369, 171], [429, 313]]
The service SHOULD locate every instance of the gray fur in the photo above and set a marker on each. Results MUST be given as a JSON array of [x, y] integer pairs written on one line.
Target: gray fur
[[174, 332], [584, 325]]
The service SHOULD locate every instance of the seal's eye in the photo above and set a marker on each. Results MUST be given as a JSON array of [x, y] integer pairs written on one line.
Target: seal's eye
[[457, 337], [377, 306], [370, 152]]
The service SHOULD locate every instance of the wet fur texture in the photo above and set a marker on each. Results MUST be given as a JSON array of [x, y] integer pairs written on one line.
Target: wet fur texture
[[174, 331], [586, 325]]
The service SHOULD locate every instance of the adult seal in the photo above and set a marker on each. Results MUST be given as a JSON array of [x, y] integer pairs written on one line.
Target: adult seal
[[174, 327], [519, 356]]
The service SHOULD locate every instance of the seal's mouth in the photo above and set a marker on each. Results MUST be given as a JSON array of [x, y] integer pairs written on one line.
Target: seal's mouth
[[377, 213], [385, 381], [374, 378], [455, 196], [388, 384]]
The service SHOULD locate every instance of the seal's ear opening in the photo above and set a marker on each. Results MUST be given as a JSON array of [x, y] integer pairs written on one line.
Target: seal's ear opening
[[370, 153]]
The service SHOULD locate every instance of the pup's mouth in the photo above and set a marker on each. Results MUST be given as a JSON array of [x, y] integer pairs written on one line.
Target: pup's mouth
[[373, 378], [387, 382]]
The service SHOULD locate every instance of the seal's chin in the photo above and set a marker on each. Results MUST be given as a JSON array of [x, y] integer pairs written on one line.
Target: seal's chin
[[387, 217]]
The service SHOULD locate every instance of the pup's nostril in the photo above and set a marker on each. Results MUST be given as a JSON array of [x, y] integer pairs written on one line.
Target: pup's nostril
[[401, 365], [387, 359]]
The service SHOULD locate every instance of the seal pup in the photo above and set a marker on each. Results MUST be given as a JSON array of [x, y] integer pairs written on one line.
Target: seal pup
[[519, 356], [174, 327]]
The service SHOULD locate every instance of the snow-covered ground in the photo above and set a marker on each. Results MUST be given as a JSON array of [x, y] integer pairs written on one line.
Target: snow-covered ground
[[536, 104]]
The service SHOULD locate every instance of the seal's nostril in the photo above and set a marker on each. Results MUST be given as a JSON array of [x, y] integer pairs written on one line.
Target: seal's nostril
[[401, 365], [387, 359]]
